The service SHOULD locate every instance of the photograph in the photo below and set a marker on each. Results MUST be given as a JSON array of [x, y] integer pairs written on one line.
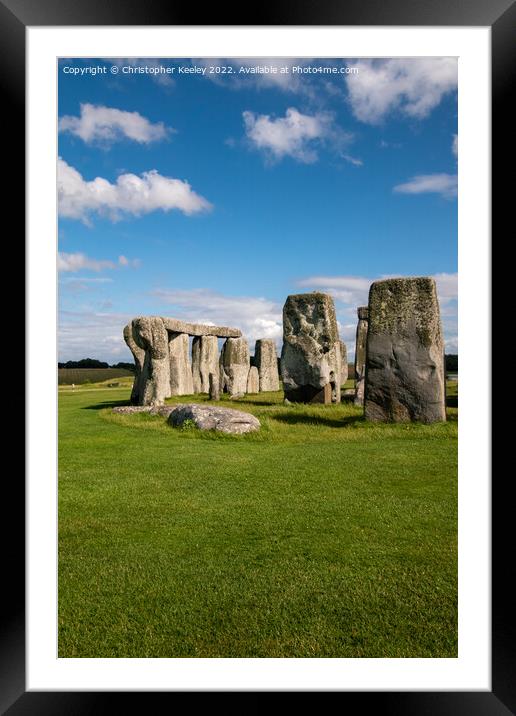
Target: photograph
[[244, 247], [257, 346]]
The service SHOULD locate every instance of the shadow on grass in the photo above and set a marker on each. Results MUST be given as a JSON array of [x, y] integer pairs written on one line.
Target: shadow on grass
[[294, 419], [258, 403], [106, 404], [452, 401]]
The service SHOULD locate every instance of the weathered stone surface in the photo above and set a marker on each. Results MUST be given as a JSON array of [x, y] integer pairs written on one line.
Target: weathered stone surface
[[139, 359], [253, 380], [225, 420], [344, 363], [234, 366], [162, 369], [214, 386], [150, 335], [205, 360], [181, 379], [360, 354], [198, 329], [266, 360], [404, 378], [310, 358], [335, 359]]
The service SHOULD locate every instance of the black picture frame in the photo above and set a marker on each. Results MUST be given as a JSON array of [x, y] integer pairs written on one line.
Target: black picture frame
[[500, 16]]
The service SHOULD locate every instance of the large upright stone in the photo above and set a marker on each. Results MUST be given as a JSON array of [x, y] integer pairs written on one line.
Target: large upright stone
[[360, 354], [234, 366], [205, 360], [181, 379], [310, 358], [253, 380], [151, 335], [344, 363], [266, 360], [139, 360], [214, 386], [404, 379]]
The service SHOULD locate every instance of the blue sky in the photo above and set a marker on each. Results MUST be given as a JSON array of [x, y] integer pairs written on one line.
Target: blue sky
[[212, 196]]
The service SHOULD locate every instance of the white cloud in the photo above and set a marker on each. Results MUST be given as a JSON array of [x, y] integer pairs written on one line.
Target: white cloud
[[124, 261], [107, 124], [78, 262], [292, 135], [350, 292], [413, 87], [130, 195], [90, 334], [455, 146], [353, 160], [443, 184], [256, 317], [447, 287], [297, 135]]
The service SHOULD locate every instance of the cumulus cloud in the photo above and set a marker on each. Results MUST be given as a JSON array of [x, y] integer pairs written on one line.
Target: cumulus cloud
[[77, 262], [296, 135], [107, 124], [412, 87], [89, 333], [350, 292], [355, 289], [255, 316], [292, 135], [447, 287], [455, 146], [443, 184], [129, 195]]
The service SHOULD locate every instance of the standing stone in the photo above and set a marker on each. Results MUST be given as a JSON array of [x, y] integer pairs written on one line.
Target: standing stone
[[234, 366], [181, 379], [139, 359], [151, 335], [310, 358], [266, 360], [205, 360], [253, 380], [404, 379], [214, 386], [360, 354], [344, 363], [336, 374]]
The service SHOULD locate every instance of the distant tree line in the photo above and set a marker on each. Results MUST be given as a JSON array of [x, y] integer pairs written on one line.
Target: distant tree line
[[451, 360], [93, 363], [452, 363]]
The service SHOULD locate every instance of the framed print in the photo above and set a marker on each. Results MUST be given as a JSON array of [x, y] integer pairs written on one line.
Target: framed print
[[188, 186]]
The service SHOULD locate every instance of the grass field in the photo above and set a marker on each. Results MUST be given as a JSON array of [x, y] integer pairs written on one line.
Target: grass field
[[319, 536]]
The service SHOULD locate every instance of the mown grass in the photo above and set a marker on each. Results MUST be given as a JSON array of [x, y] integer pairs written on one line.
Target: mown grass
[[319, 536]]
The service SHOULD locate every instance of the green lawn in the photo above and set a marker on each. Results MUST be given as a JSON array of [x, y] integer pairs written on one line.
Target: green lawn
[[319, 536]]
